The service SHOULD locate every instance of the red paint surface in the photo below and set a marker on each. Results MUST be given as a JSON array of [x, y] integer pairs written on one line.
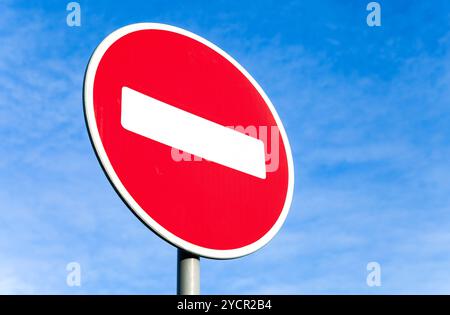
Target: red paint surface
[[204, 203]]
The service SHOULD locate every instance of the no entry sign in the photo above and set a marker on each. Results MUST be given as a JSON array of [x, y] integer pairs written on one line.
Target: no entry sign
[[189, 140]]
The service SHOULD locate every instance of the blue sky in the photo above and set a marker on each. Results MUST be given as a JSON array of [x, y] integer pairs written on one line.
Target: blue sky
[[367, 111]]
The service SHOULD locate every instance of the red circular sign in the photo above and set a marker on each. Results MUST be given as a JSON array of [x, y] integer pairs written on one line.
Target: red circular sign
[[189, 140]]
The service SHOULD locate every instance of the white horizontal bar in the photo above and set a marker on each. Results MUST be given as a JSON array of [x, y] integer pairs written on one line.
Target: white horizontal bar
[[167, 124]]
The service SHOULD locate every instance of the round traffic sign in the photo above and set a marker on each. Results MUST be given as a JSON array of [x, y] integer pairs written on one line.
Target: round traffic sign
[[189, 140]]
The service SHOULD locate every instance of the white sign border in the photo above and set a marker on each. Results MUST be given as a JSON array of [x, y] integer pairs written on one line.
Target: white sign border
[[128, 199]]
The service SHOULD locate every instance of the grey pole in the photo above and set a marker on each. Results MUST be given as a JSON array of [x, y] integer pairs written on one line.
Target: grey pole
[[188, 273]]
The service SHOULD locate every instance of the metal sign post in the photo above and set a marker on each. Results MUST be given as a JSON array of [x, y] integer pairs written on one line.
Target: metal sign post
[[188, 273]]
